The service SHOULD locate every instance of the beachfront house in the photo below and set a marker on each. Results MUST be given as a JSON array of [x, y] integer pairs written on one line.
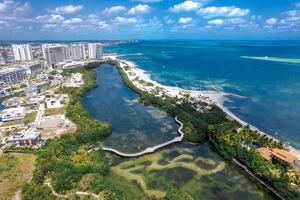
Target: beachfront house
[[278, 155]]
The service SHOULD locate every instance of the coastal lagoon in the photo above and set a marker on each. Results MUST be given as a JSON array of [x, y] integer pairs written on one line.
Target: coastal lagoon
[[196, 169], [270, 82], [135, 126]]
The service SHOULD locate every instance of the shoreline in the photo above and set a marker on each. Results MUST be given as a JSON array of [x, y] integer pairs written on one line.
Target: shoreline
[[211, 97]]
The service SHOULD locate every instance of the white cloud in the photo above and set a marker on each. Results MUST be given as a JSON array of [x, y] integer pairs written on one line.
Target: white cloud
[[169, 21], [152, 25], [293, 13], [231, 11], [73, 21], [271, 21], [125, 20], [228, 22], [291, 21], [69, 9], [49, 26], [23, 9], [114, 10], [185, 20], [103, 25], [148, 1], [50, 18], [298, 4], [186, 6], [139, 9], [5, 5], [216, 22]]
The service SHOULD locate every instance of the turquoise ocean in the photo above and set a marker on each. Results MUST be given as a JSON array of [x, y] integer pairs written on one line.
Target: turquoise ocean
[[266, 72]]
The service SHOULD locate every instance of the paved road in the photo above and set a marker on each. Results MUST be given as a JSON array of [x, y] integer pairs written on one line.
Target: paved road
[[39, 115]]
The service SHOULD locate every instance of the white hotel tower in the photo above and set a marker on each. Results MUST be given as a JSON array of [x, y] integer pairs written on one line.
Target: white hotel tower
[[95, 51], [22, 52]]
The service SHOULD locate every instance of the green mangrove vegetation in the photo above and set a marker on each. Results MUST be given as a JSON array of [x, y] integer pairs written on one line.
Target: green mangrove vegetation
[[66, 161]]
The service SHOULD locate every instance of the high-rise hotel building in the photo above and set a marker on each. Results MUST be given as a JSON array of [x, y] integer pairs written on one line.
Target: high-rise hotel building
[[22, 52], [78, 51], [95, 50], [55, 53]]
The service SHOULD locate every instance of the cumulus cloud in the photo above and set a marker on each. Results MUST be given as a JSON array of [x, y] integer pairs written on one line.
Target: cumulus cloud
[[69, 9], [47, 27], [291, 19], [73, 21], [23, 9], [103, 25], [271, 21], [125, 20], [5, 6], [231, 11], [233, 22], [114, 10], [216, 22], [50, 18], [140, 9], [148, 1], [185, 20], [186, 6]]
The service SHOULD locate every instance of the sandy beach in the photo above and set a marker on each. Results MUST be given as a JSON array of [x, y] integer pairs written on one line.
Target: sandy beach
[[216, 97]]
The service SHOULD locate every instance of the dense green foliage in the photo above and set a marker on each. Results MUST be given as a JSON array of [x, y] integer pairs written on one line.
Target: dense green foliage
[[175, 194], [239, 143], [66, 161]]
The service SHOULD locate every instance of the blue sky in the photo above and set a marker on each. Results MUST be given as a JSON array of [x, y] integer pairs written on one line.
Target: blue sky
[[149, 19]]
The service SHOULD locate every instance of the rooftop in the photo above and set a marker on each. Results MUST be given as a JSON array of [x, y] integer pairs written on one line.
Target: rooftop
[[281, 154]]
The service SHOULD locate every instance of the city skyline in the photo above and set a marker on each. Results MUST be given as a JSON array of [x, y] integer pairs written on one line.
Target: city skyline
[[149, 19]]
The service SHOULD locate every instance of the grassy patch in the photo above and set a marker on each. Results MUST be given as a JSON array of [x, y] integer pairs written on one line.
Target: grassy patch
[[55, 111], [15, 170]]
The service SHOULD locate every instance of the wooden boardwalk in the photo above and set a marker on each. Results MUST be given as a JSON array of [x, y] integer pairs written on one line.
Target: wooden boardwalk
[[150, 149], [258, 179]]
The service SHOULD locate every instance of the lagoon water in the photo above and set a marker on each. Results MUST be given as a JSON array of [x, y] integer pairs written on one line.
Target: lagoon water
[[135, 127], [272, 86], [195, 169]]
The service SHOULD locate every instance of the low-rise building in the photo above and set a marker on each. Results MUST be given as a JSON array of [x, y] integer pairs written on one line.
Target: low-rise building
[[279, 155], [24, 138], [34, 68], [56, 101], [12, 75], [32, 90], [12, 114]]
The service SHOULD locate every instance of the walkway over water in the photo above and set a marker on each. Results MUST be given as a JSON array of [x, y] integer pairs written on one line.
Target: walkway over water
[[150, 149]]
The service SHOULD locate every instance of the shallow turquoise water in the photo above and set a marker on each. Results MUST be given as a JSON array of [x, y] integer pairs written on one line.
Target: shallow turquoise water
[[272, 88]]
